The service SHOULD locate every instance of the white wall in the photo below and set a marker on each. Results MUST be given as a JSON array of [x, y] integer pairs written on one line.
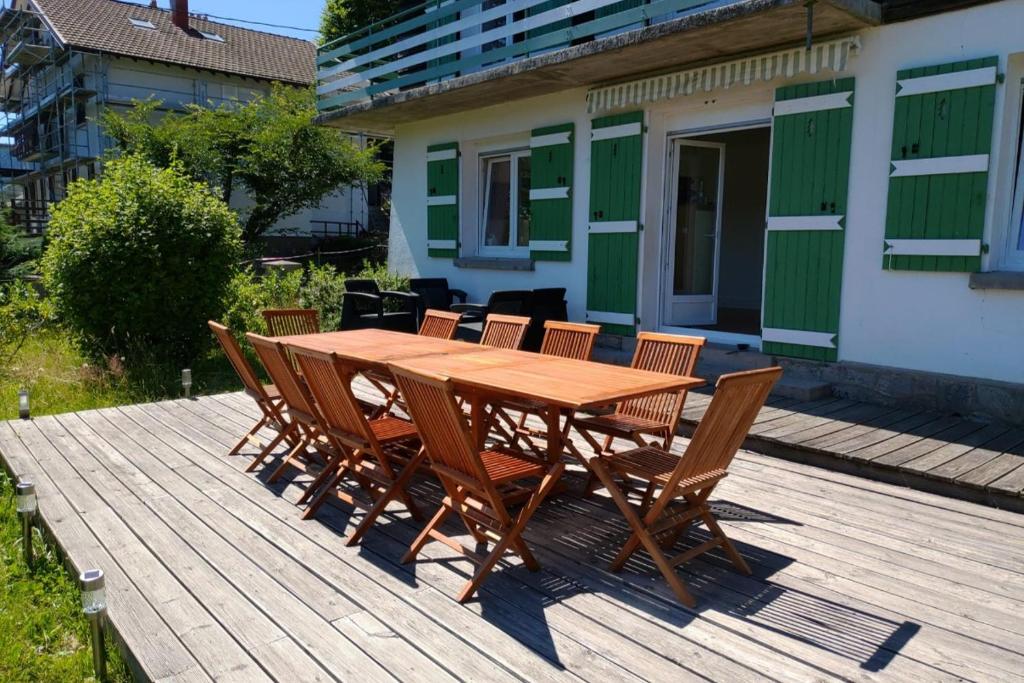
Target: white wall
[[915, 320]]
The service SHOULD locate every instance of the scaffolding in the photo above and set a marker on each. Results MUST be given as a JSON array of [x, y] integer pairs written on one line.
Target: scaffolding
[[47, 96]]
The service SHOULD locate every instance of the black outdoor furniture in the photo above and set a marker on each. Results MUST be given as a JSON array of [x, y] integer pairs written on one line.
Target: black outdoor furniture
[[434, 292], [507, 302], [542, 305], [366, 305]]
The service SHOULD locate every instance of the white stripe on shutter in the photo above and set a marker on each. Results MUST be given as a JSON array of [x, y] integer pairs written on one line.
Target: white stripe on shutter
[[804, 223], [824, 340], [802, 105], [442, 244], [549, 140], [624, 131], [549, 245], [442, 155], [444, 200], [614, 226], [610, 318], [926, 247], [549, 193], [951, 81], [966, 163]]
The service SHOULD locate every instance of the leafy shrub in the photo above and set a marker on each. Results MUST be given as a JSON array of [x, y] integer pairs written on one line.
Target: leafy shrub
[[15, 250], [138, 260], [22, 312], [248, 294], [323, 290]]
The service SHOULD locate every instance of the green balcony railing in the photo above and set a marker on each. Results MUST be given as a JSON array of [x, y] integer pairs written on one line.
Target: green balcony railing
[[443, 39]]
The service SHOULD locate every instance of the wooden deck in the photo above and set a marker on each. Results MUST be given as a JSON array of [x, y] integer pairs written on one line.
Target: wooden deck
[[927, 450], [211, 574]]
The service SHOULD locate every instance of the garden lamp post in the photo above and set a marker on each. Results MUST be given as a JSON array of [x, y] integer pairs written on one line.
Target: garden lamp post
[[23, 406], [186, 381], [94, 604], [26, 505]]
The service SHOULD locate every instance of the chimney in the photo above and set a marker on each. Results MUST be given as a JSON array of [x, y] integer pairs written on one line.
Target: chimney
[[179, 14]]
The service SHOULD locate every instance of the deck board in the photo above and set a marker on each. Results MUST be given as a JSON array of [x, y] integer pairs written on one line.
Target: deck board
[[213, 575]]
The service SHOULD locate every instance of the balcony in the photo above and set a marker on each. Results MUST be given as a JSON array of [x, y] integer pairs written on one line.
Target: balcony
[[436, 59]]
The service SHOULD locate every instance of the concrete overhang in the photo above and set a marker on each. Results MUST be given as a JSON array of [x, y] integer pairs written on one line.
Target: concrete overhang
[[708, 36]]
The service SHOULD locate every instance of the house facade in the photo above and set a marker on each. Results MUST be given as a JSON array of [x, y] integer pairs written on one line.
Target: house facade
[[67, 61], [837, 182]]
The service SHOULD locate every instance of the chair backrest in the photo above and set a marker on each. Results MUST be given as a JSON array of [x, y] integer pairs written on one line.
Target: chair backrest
[[504, 331], [330, 382], [282, 322], [734, 407], [363, 285], [569, 340], [671, 354], [275, 359], [508, 302], [233, 351], [439, 324], [442, 427], [433, 292]]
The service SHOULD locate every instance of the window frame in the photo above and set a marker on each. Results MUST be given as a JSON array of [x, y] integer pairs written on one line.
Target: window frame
[[512, 249], [1013, 255]]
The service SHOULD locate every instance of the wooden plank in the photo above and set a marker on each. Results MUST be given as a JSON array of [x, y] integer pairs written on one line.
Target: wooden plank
[[976, 457], [876, 436], [993, 470], [940, 456], [959, 430]]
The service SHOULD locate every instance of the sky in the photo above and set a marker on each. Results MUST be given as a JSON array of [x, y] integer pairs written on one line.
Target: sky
[[302, 14]]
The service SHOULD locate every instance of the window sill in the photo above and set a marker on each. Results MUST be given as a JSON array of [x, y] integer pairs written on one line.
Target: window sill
[[493, 263], [999, 279]]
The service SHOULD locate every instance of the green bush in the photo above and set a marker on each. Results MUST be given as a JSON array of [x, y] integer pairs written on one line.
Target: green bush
[[138, 260], [22, 313], [323, 290], [248, 294]]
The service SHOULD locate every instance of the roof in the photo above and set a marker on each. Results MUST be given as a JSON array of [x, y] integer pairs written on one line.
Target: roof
[[103, 25]]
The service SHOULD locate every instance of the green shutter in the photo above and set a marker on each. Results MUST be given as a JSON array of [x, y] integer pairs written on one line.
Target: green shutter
[[616, 166], [551, 160], [811, 131], [443, 200], [942, 138]]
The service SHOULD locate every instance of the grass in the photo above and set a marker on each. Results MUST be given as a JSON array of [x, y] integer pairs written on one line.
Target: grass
[[59, 380], [43, 634]]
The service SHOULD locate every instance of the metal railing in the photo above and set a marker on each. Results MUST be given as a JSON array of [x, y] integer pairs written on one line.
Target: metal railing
[[443, 39]]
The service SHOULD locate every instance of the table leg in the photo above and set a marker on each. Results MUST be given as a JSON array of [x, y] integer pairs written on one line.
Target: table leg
[[554, 428], [477, 419]]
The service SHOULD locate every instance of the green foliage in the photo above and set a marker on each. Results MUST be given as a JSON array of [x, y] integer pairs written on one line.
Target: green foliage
[[14, 249], [248, 294], [323, 290], [269, 148], [43, 634], [341, 17], [385, 279], [22, 313], [138, 260]]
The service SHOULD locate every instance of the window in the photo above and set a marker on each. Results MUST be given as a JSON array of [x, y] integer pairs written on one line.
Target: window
[[505, 215], [142, 23], [211, 36], [1015, 244]]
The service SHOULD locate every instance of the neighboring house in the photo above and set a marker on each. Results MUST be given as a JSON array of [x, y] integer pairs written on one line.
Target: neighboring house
[[836, 180], [66, 61]]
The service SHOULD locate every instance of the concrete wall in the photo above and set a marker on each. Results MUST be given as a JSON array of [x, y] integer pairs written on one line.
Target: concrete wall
[[916, 320]]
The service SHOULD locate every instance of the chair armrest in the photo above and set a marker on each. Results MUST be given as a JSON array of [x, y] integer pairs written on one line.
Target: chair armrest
[[373, 300], [408, 300], [458, 294]]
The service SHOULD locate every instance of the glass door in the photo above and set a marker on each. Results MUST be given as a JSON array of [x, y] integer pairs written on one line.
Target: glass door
[[694, 231]]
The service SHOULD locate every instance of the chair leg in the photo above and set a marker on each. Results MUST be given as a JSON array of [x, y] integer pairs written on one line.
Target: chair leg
[[287, 462], [640, 536], [424, 536], [727, 545], [328, 472], [248, 435], [269, 448], [397, 488], [325, 491]]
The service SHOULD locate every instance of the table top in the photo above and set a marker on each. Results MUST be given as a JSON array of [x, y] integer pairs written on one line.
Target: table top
[[557, 381]]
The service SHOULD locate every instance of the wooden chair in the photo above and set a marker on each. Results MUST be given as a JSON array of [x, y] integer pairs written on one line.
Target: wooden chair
[[381, 455], [284, 322], [505, 331], [439, 324], [267, 397], [304, 423], [687, 481], [657, 415], [565, 340], [479, 484]]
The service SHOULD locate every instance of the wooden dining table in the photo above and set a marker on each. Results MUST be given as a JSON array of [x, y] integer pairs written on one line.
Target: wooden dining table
[[484, 375]]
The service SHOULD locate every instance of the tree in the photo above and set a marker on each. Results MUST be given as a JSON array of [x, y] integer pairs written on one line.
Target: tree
[[269, 148], [341, 17], [138, 261]]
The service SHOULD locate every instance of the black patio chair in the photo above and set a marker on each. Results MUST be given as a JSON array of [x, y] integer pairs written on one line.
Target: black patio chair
[[434, 292], [543, 304], [366, 305], [507, 302]]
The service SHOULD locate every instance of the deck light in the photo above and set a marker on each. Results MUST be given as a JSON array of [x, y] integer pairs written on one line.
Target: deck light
[[23, 406], [186, 381], [94, 604], [26, 505]]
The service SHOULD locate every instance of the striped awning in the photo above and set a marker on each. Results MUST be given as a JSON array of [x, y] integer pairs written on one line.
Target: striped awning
[[832, 56]]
